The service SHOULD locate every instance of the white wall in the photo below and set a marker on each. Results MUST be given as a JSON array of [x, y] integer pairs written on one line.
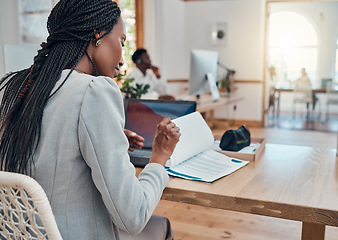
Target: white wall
[[245, 33], [152, 26], [10, 32], [164, 39], [182, 26], [9, 28], [244, 49], [187, 25], [173, 38]]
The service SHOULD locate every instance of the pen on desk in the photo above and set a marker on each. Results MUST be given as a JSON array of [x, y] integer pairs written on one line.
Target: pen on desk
[[254, 150]]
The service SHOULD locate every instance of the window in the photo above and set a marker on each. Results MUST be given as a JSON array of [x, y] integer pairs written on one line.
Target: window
[[131, 12], [292, 46]]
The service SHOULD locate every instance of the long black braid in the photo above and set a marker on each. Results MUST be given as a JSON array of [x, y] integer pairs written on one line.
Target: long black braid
[[72, 25]]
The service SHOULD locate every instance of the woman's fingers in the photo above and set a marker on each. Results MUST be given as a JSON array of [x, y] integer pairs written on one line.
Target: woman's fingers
[[134, 139], [166, 138]]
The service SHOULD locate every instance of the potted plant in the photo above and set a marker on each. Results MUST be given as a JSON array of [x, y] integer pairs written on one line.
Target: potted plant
[[128, 90]]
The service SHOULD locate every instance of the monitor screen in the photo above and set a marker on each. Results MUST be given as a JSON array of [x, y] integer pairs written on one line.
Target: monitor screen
[[202, 63]]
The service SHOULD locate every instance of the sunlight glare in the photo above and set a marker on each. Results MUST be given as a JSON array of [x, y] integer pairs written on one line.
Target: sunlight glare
[[288, 29]]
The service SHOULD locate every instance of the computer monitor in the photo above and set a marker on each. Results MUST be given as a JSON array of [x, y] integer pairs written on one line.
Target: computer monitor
[[203, 73]]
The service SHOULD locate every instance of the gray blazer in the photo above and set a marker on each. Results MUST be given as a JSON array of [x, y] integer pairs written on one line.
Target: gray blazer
[[83, 165]]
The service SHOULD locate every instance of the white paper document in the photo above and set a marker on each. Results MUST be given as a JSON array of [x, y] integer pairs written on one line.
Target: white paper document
[[193, 157], [251, 149]]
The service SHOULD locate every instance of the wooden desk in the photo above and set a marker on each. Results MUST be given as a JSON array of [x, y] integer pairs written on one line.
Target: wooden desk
[[278, 90], [289, 182]]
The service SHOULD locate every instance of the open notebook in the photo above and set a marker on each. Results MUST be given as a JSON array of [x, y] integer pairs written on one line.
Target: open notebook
[[142, 117], [194, 157]]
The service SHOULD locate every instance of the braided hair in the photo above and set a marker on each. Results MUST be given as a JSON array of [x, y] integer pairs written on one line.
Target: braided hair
[[72, 25]]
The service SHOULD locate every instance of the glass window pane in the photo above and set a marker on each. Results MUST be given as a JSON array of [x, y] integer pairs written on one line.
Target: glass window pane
[[275, 60], [298, 58], [127, 4], [292, 46], [291, 29], [128, 14], [130, 28], [289, 62], [128, 51]]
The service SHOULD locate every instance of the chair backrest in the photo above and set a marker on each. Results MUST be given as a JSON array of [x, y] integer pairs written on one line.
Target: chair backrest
[[329, 87], [330, 95], [302, 92], [25, 212]]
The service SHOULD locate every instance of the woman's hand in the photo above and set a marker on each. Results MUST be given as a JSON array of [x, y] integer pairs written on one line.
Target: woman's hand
[[134, 139], [166, 137]]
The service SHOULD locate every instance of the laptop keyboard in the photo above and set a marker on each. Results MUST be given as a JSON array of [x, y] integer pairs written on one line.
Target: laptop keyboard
[[142, 153]]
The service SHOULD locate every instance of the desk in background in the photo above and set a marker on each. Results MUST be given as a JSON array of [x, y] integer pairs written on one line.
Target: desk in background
[[288, 182], [279, 90], [206, 106]]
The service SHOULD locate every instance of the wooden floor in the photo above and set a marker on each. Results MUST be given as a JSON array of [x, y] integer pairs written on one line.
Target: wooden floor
[[191, 222], [314, 122]]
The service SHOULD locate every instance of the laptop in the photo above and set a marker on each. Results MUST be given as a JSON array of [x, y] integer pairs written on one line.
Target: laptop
[[142, 117]]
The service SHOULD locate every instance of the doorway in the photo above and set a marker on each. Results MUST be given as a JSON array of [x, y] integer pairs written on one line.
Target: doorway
[[299, 35]]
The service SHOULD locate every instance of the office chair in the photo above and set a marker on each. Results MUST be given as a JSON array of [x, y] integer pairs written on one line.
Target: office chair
[[25, 212], [331, 100], [302, 94]]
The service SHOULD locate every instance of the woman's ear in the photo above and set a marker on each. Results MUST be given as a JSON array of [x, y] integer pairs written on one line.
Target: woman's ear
[[96, 34], [97, 39]]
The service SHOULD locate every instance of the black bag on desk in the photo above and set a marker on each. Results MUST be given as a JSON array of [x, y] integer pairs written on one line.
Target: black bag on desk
[[235, 140]]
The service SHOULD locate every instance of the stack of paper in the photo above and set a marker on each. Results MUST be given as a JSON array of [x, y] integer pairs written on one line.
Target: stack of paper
[[194, 158]]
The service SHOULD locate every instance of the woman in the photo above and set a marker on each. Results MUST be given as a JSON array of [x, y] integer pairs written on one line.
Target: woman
[[62, 123]]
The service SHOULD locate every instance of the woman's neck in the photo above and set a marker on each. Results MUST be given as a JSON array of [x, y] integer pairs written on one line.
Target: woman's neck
[[84, 66]]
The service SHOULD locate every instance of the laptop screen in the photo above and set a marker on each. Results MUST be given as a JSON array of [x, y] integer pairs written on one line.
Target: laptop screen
[[142, 116]]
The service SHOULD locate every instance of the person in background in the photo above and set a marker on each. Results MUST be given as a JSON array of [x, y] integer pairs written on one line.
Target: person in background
[[304, 88], [146, 73], [62, 122], [304, 80]]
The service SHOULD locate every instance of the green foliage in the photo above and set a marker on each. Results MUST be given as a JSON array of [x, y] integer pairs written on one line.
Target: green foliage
[[127, 4], [224, 83], [131, 91]]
